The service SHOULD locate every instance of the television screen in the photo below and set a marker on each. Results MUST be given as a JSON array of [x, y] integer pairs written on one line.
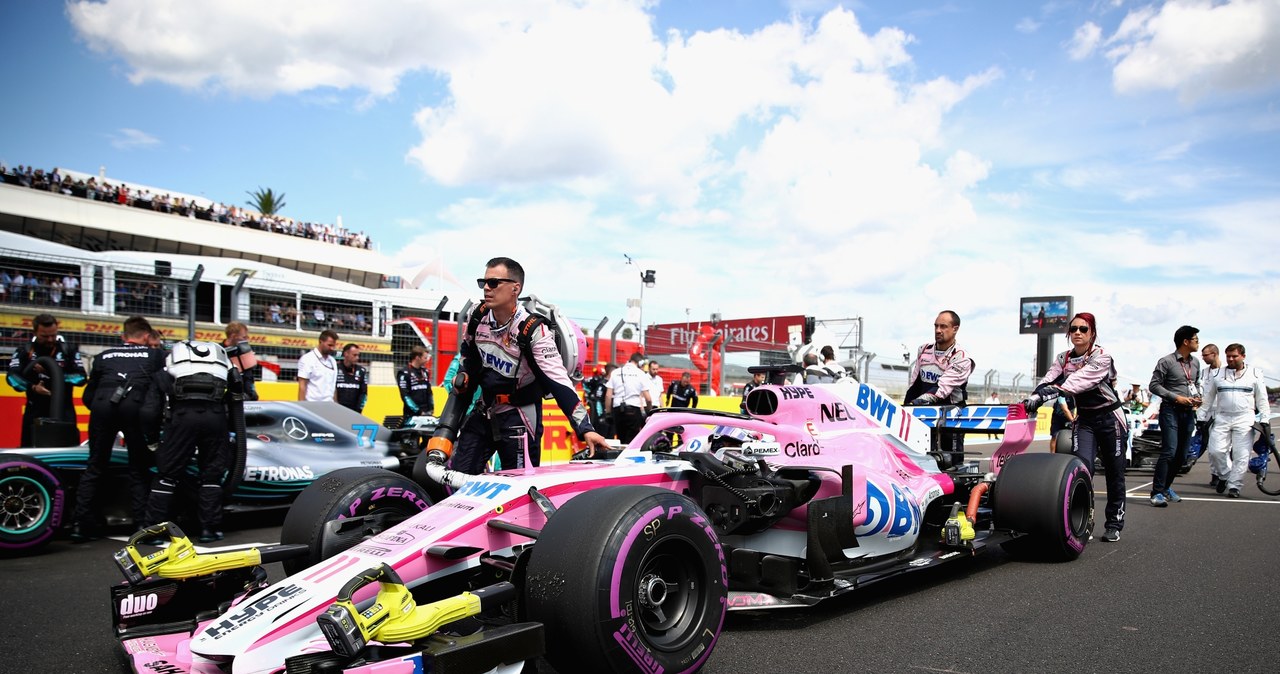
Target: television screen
[[1038, 315]]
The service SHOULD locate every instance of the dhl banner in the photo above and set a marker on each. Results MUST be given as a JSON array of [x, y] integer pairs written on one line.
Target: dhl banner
[[174, 330]]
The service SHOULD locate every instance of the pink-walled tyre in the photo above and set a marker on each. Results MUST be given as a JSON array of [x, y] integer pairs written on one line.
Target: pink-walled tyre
[[628, 579], [1049, 499], [364, 501], [31, 503]]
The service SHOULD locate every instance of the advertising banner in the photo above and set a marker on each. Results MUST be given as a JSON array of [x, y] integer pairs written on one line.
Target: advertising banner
[[772, 333]]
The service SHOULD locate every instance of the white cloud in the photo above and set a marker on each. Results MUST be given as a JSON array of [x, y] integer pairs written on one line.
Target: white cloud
[[1084, 41], [1196, 47], [798, 168], [132, 139], [1027, 25]]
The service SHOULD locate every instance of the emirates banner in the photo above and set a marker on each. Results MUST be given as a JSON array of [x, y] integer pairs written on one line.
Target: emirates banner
[[741, 334]]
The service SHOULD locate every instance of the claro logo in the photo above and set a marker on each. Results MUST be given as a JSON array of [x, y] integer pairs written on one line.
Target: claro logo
[[235, 621], [796, 449]]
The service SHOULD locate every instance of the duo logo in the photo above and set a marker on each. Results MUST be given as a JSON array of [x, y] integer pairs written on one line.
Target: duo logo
[[895, 517]]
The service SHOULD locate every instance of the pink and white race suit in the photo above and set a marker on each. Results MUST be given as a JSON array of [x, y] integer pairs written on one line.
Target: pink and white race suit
[[944, 373], [508, 417], [1235, 399]]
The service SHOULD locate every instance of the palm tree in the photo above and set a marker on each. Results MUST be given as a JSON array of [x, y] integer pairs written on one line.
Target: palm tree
[[266, 202]]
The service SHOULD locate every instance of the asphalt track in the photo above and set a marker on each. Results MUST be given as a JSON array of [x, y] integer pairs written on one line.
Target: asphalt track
[[1188, 588]]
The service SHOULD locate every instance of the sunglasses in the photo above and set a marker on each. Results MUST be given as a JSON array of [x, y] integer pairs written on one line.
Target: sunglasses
[[492, 283], [1077, 328]]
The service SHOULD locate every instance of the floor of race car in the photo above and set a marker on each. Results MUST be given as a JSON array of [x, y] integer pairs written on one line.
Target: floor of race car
[[1178, 592]]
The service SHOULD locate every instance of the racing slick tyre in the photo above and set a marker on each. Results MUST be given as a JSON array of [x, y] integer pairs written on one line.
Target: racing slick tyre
[[31, 503], [372, 498], [628, 579], [1062, 441], [1049, 498]]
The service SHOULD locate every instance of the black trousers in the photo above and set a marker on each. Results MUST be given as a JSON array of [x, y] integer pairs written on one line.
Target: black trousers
[[1103, 437], [105, 421], [505, 433], [198, 430], [628, 419]]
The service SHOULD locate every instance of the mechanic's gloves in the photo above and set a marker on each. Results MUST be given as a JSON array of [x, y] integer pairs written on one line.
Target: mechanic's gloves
[[1032, 403], [926, 399], [1047, 392]]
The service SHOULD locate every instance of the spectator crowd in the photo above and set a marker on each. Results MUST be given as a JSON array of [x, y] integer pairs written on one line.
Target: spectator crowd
[[121, 194]]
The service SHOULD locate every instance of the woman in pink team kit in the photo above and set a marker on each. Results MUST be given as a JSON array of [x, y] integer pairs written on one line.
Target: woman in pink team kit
[[1099, 430]]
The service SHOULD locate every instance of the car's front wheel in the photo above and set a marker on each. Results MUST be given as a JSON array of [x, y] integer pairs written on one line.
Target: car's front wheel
[[628, 579], [361, 502]]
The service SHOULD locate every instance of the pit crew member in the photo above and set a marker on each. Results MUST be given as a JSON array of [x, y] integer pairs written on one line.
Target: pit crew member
[[352, 389], [682, 393], [197, 381], [45, 342], [242, 357], [121, 385], [940, 375], [1085, 372], [414, 382], [512, 378], [1237, 398], [626, 395]]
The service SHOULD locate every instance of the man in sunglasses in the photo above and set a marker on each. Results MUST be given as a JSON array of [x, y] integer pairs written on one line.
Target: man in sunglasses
[[512, 378], [1176, 379]]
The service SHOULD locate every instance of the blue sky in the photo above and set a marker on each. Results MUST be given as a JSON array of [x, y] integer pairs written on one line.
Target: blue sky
[[882, 159]]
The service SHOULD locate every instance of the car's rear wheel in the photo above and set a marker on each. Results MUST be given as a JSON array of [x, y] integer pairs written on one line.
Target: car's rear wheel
[[628, 579], [1049, 498], [31, 503], [361, 502]]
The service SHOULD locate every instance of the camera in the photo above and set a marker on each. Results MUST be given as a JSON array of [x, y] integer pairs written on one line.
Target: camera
[[119, 394]]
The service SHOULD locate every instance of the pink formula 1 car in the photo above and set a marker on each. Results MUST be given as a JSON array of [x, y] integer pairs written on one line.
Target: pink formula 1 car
[[625, 564]]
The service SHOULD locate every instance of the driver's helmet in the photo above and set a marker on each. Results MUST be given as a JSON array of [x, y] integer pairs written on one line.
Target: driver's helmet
[[730, 436]]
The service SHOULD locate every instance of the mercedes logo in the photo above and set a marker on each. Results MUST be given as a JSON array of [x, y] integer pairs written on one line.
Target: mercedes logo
[[294, 428]]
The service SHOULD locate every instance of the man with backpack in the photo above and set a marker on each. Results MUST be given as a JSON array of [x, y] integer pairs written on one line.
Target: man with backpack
[[512, 356]]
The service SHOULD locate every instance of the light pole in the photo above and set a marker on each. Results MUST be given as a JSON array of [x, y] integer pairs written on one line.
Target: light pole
[[647, 279]]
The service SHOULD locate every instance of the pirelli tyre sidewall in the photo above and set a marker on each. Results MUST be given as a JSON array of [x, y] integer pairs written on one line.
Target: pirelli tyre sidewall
[[1049, 498], [362, 491], [628, 579], [32, 503]]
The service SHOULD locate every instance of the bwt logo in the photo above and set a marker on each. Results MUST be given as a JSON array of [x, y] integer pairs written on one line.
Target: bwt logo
[[496, 363], [482, 489], [876, 405]]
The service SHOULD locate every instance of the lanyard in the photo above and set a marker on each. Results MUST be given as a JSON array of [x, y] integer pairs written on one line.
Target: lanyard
[[1186, 371]]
